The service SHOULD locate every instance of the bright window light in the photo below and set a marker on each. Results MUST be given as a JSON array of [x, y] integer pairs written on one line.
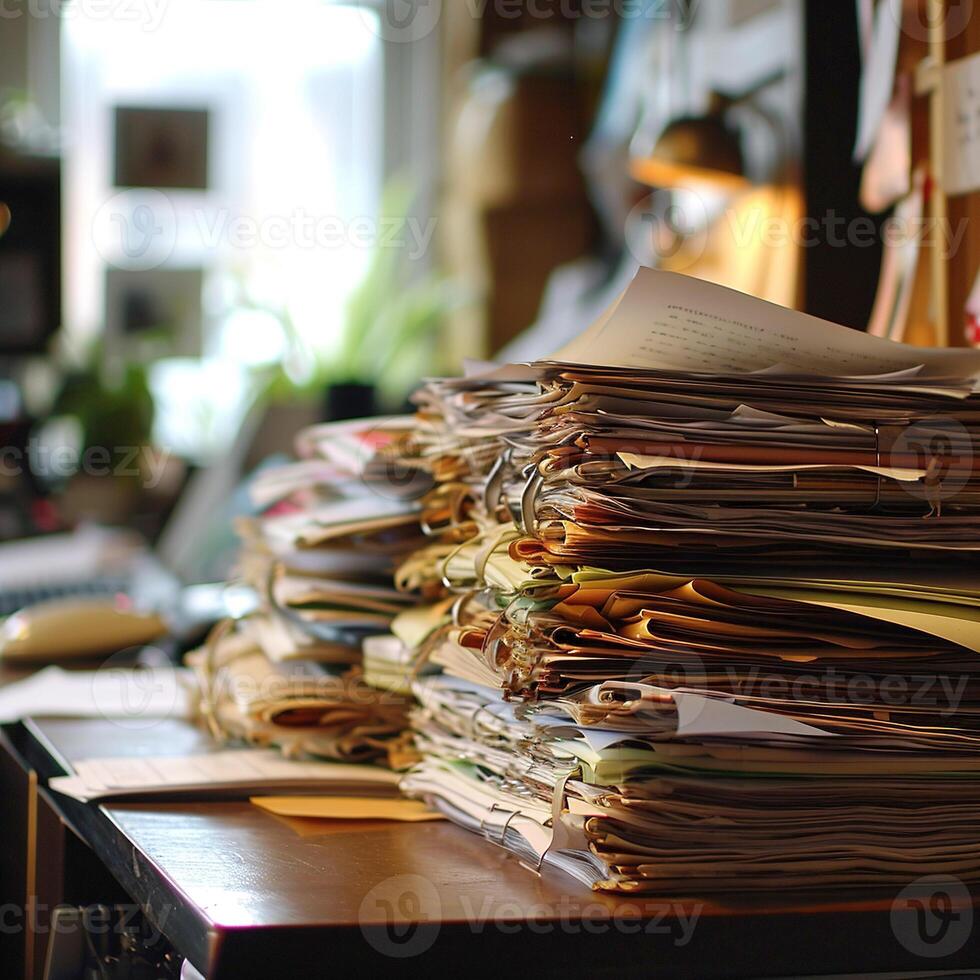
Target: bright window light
[[294, 95]]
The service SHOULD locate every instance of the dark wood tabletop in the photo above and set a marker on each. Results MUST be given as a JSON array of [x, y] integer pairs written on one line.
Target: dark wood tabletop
[[244, 893]]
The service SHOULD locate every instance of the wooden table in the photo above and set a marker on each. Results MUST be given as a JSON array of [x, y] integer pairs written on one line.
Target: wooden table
[[243, 893]]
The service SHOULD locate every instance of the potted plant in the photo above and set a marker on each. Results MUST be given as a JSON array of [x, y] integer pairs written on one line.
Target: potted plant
[[393, 320]]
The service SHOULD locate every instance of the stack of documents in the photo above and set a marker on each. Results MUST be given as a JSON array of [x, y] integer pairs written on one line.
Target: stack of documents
[[333, 528], [302, 709], [713, 617]]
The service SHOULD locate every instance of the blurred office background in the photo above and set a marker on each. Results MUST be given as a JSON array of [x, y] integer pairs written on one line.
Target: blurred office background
[[225, 220]]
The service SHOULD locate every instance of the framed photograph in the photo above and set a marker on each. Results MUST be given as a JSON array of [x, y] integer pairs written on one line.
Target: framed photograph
[[161, 148], [154, 309]]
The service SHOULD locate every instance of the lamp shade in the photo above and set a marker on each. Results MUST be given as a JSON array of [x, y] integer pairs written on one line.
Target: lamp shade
[[695, 151]]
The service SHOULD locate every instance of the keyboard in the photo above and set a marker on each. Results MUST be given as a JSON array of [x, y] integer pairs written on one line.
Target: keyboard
[[106, 585]]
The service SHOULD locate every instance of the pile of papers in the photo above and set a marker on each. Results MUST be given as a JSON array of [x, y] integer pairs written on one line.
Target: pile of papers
[[302, 709], [711, 614], [333, 528]]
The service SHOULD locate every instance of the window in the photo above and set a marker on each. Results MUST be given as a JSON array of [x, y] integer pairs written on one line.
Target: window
[[295, 154], [291, 106]]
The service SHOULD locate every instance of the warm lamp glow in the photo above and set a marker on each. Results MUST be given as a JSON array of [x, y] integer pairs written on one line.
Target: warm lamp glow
[[656, 172]]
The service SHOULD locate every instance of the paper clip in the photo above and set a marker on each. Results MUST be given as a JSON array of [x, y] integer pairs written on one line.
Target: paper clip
[[472, 723], [557, 805], [877, 499], [495, 480], [497, 808], [528, 497]]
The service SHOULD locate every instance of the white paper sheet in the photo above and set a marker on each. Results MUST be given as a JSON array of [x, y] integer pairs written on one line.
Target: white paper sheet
[[667, 321], [961, 126], [249, 771], [877, 73], [125, 694], [701, 716]]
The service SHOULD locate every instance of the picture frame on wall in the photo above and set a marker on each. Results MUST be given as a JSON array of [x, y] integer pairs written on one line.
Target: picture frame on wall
[[161, 147], [154, 311]]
